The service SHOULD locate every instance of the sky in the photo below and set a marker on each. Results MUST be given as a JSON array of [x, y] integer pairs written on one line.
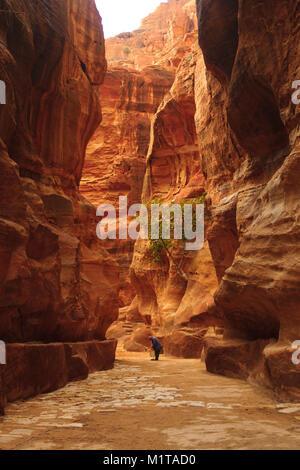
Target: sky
[[119, 16]]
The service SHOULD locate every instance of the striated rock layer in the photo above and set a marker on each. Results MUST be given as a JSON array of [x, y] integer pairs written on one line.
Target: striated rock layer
[[229, 127], [57, 283], [136, 83], [162, 39], [167, 39], [176, 294], [134, 86], [251, 60], [116, 156]]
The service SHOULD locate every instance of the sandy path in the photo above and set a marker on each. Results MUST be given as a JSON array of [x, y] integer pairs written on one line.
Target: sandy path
[[140, 404]]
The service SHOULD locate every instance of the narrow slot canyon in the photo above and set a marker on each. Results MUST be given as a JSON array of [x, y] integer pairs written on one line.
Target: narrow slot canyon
[[198, 108]]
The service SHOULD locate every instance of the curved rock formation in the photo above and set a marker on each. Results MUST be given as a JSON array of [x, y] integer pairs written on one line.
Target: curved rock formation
[[225, 126], [259, 212], [230, 123], [133, 88], [162, 39], [116, 156], [174, 173], [57, 283]]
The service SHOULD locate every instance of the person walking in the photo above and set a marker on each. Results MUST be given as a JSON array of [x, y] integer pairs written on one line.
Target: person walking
[[157, 347]]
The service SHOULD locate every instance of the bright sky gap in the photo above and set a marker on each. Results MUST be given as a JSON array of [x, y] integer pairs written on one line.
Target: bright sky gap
[[119, 16]]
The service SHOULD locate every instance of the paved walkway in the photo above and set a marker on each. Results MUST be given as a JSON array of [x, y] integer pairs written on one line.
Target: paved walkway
[[140, 404]]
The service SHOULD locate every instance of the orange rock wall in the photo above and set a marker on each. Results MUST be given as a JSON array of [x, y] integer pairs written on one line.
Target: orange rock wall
[[174, 173], [229, 121], [252, 61], [132, 91], [57, 282], [167, 39], [116, 155], [162, 38]]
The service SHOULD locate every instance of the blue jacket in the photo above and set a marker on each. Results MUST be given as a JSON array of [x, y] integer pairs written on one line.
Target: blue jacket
[[156, 344]]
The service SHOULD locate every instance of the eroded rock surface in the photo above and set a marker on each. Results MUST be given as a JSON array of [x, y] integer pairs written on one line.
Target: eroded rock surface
[[57, 283], [134, 87], [163, 38], [225, 125], [167, 290], [229, 127], [116, 156], [255, 232]]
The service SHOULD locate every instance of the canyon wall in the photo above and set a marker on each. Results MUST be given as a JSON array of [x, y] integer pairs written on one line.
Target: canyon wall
[[134, 86], [116, 156], [252, 60], [175, 295], [229, 127], [222, 129], [161, 40], [58, 285], [177, 291]]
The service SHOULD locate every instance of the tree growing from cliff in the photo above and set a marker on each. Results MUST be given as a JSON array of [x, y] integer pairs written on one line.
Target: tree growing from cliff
[[162, 246], [126, 51]]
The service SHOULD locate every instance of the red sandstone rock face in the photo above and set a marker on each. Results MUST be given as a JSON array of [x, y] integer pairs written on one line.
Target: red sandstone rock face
[[184, 343], [248, 153], [57, 282], [49, 255], [131, 93], [227, 126], [33, 369], [162, 39], [253, 238], [116, 156], [174, 173]]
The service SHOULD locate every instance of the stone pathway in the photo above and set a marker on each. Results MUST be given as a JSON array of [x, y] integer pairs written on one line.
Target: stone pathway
[[143, 404]]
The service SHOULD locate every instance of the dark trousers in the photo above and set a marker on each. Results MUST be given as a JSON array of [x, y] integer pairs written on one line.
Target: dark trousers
[[157, 353]]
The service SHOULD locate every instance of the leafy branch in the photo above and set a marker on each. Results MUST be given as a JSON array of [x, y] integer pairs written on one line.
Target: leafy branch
[[158, 247]]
